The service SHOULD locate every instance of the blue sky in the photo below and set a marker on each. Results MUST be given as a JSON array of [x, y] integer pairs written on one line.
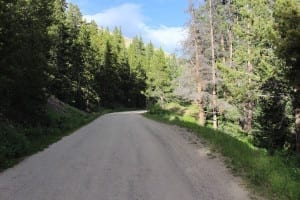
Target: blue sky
[[161, 21]]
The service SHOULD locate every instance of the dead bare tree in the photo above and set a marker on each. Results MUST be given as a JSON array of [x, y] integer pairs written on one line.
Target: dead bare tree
[[196, 43], [214, 83]]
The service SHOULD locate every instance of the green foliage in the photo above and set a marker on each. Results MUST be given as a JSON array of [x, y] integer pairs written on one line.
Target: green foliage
[[19, 140], [253, 59], [153, 72], [257, 51], [138, 67], [13, 143], [156, 109], [287, 43], [287, 25], [159, 78], [24, 48], [48, 49], [273, 117]]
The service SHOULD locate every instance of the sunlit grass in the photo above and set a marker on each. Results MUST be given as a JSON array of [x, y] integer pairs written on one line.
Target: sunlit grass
[[275, 177]]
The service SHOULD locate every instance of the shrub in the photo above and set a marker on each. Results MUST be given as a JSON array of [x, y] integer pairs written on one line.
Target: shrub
[[12, 144]]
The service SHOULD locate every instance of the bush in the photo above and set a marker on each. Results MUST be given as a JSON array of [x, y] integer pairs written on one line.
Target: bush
[[156, 109], [273, 117], [12, 144]]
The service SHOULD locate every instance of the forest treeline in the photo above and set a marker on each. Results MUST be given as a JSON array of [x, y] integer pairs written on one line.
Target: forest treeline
[[240, 65], [243, 58], [47, 48]]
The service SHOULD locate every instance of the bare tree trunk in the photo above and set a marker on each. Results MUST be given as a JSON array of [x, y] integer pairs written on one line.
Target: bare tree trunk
[[297, 119], [195, 35], [230, 47], [201, 113], [250, 103], [223, 59], [214, 95], [247, 126], [297, 116], [230, 38], [223, 49]]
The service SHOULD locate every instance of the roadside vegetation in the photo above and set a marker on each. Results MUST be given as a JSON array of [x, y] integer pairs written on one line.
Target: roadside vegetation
[[274, 176], [239, 86], [20, 140]]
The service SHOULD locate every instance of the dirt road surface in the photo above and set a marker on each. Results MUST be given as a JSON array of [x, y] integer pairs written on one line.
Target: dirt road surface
[[123, 156]]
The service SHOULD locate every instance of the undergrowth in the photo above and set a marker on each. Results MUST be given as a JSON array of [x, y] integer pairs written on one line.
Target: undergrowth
[[19, 140]]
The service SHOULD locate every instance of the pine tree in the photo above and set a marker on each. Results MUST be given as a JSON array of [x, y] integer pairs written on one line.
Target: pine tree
[[60, 78], [272, 120], [287, 19], [107, 78], [252, 28], [196, 43], [214, 84], [9, 27], [123, 68], [158, 78], [24, 50], [88, 98], [139, 61]]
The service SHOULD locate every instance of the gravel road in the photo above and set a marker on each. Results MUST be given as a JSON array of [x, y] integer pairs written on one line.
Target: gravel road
[[123, 156]]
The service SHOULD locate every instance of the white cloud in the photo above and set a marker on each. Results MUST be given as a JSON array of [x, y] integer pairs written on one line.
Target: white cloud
[[132, 22], [169, 38]]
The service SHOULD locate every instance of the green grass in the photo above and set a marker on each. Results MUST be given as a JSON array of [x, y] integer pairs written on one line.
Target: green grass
[[274, 177], [18, 141]]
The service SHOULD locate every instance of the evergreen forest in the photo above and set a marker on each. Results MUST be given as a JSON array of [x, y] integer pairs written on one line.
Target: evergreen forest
[[242, 67], [50, 55], [238, 72]]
